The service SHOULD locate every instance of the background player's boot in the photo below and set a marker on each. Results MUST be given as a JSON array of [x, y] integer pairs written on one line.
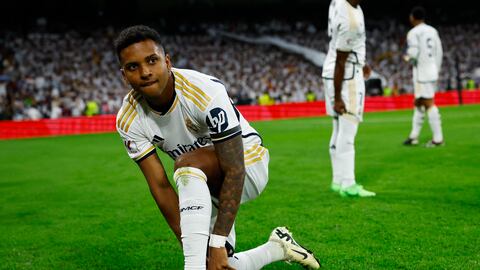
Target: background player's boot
[[410, 142], [432, 143], [335, 187], [356, 190], [293, 251]]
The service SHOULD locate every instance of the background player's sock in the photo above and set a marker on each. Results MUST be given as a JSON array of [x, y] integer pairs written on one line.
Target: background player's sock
[[417, 122], [258, 257], [332, 148], [435, 124], [345, 155], [195, 211]]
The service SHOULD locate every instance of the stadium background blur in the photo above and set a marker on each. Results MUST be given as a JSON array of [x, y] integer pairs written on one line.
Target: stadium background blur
[[78, 202], [57, 60]]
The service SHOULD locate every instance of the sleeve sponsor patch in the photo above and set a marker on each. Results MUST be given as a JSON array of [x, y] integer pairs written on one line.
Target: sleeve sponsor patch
[[217, 120]]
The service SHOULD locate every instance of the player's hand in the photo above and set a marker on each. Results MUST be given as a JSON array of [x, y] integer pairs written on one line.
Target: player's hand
[[339, 106], [218, 260], [367, 71]]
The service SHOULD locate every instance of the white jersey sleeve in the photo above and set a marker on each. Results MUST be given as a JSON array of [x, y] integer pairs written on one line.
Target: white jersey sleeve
[[413, 46], [130, 130], [220, 116]]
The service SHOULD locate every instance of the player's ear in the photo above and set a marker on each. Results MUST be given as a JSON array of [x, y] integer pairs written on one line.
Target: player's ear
[[124, 77], [168, 62]]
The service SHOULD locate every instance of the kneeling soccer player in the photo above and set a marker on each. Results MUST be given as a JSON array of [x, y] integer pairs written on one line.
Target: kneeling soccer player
[[219, 158]]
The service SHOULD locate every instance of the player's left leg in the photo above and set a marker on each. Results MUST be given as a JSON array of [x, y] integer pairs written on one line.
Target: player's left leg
[[435, 122], [281, 246], [256, 168], [353, 92]]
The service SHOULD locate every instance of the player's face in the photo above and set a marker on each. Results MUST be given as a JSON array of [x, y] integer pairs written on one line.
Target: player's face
[[146, 68]]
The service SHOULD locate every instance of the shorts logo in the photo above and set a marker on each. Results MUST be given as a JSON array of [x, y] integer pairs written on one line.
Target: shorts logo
[[217, 120]]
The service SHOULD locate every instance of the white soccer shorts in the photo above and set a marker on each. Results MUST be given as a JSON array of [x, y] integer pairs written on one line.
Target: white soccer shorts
[[353, 95], [425, 90]]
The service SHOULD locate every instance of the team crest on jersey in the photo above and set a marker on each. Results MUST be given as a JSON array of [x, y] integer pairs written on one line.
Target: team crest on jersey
[[191, 126], [217, 120]]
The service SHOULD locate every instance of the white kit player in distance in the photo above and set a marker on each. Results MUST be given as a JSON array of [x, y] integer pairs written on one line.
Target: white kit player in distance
[[425, 54], [343, 76], [219, 158]]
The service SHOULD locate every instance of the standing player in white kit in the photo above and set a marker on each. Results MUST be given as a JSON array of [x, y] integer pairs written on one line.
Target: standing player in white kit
[[425, 54], [343, 77]]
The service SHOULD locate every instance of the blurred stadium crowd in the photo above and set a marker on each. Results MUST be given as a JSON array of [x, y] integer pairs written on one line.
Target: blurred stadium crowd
[[51, 75]]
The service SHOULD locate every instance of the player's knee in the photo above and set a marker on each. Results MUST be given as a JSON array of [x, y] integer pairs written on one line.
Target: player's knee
[[184, 160]]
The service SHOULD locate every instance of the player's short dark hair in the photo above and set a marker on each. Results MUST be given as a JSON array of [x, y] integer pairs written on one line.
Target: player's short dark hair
[[418, 13], [134, 34]]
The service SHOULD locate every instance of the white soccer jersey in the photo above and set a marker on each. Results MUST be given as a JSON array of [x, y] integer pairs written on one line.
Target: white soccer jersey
[[346, 29], [425, 47], [202, 113]]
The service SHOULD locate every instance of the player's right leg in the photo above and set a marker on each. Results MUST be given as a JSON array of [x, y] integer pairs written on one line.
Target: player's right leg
[[435, 122], [329, 94]]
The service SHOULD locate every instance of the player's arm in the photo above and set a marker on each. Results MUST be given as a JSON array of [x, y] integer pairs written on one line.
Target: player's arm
[[338, 75], [413, 50], [162, 191], [225, 131], [231, 160], [230, 157]]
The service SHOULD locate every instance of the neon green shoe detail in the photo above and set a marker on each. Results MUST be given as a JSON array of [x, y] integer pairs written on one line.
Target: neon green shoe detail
[[335, 187], [356, 190]]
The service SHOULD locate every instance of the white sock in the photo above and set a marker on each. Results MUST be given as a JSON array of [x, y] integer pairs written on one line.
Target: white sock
[[258, 257], [332, 149], [345, 155], [417, 122], [195, 210], [435, 123]]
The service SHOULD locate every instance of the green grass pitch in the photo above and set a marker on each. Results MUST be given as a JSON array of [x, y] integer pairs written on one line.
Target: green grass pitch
[[78, 202]]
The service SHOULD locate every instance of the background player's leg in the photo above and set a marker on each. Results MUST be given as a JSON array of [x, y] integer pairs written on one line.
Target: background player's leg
[[336, 180], [435, 124], [345, 156], [345, 152], [417, 123]]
